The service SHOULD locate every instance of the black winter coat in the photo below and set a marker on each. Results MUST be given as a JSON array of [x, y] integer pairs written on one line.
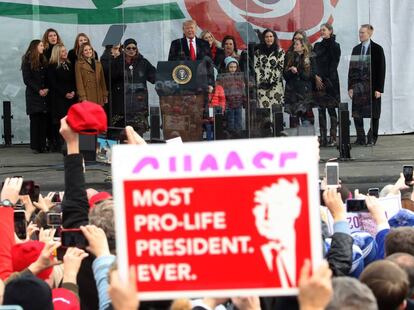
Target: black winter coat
[[299, 86], [34, 80], [61, 81], [129, 83], [327, 54]]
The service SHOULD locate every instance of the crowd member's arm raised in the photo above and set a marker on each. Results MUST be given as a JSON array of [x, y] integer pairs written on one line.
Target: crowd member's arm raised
[[315, 291], [123, 296], [98, 246], [71, 265], [75, 205], [340, 254]]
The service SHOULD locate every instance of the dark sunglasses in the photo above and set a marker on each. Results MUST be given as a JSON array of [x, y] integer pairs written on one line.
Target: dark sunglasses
[[131, 48]]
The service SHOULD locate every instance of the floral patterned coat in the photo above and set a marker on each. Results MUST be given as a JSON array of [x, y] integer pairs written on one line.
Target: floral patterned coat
[[269, 78]]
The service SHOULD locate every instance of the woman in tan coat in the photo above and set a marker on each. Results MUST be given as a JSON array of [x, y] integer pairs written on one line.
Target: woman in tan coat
[[90, 80]]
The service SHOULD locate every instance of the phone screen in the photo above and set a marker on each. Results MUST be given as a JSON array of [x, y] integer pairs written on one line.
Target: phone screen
[[332, 177], [36, 193], [20, 223], [356, 205], [54, 219], [408, 173], [73, 238]]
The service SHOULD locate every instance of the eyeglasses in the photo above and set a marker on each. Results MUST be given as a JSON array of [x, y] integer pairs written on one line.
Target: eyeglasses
[[131, 48]]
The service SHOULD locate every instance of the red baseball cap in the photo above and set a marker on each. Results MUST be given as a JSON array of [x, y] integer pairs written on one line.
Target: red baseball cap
[[87, 118], [64, 299], [98, 198]]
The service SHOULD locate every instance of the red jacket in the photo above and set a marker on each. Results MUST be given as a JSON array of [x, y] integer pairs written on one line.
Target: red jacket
[[217, 98], [6, 241]]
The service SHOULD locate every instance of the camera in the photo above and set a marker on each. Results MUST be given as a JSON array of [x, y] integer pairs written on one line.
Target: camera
[[54, 219], [374, 191], [356, 205], [73, 238]]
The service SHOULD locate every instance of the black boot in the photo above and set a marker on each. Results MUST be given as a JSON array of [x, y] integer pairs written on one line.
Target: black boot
[[323, 141]]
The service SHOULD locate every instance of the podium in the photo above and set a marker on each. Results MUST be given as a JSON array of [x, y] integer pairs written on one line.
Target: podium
[[183, 90]]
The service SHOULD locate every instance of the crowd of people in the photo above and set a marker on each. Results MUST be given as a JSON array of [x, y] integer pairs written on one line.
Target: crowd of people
[[360, 271], [263, 77]]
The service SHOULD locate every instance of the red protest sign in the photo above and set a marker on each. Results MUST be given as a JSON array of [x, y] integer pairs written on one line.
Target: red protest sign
[[223, 235]]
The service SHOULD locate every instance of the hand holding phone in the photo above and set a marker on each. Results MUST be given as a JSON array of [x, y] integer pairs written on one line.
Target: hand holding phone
[[377, 211], [10, 189]]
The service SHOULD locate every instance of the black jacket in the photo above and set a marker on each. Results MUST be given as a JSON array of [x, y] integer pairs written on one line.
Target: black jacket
[[327, 54], [129, 81], [61, 81], [179, 50], [34, 80], [365, 78], [299, 86], [339, 256]]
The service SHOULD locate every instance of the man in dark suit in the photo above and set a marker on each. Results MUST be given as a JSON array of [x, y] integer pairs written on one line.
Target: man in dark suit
[[366, 78], [189, 47]]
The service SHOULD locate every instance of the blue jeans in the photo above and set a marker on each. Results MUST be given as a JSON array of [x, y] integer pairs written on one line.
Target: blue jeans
[[234, 119], [209, 131]]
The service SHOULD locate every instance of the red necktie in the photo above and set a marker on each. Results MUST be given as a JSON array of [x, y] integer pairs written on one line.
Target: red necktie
[[192, 51]]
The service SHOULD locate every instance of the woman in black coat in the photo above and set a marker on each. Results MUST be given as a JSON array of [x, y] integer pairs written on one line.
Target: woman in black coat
[[34, 77], [327, 95], [130, 73], [299, 77], [62, 86]]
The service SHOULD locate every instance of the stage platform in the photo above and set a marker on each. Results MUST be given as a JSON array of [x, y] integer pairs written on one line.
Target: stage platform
[[370, 167]]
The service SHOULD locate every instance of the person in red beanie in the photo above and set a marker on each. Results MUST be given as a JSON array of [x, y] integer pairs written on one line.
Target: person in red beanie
[[26, 253]]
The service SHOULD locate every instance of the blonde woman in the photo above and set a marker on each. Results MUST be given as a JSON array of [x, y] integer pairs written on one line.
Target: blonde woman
[[217, 53], [62, 89], [90, 79]]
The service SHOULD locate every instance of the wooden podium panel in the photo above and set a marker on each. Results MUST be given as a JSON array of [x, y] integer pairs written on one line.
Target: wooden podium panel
[[182, 115]]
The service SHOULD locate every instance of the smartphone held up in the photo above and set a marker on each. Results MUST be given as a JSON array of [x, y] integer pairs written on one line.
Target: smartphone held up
[[332, 175]]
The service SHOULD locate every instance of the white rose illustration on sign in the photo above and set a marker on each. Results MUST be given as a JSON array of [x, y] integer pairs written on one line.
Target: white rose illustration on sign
[[276, 209]]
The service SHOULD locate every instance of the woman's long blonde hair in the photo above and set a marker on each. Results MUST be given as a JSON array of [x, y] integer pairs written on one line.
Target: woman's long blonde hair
[[55, 57]]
